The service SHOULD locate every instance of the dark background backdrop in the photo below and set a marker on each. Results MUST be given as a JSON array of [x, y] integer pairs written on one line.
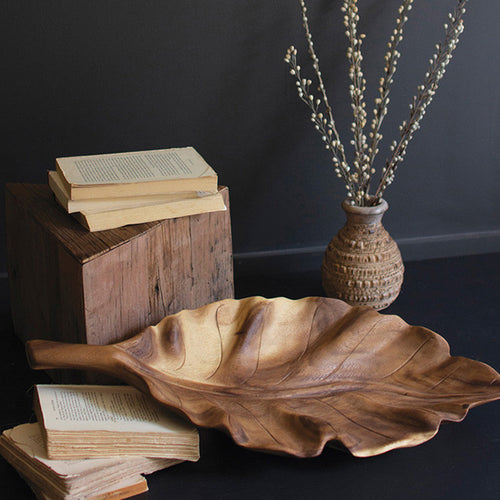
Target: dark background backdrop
[[100, 76]]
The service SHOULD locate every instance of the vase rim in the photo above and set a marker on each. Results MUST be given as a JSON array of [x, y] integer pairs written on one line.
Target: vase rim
[[373, 210]]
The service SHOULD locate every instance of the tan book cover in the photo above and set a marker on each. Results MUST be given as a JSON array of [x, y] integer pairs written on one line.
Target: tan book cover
[[112, 219], [86, 421], [103, 214], [136, 173]]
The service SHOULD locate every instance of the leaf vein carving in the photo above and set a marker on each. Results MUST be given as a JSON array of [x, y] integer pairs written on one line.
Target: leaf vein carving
[[337, 368], [293, 409], [354, 421], [184, 355], [261, 425], [445, 377], [221, 344], [296, 366], [261, 330], [409, 359]]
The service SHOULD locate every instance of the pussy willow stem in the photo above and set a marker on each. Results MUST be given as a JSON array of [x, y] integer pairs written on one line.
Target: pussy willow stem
[[424, 95], [340, 153], [381, 105]]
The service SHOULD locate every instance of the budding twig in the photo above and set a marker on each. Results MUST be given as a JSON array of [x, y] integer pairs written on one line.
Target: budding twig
[[358, 179]]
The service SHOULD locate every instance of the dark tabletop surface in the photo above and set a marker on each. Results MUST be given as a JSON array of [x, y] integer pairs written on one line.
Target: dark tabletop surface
[[459, 298]]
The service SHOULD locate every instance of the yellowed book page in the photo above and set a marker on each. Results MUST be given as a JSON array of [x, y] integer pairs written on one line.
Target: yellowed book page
[[29, 440], [124, 489], [105, 408], [24, 449], [111, 219], [187, 202], [139, 166], [106, 204]]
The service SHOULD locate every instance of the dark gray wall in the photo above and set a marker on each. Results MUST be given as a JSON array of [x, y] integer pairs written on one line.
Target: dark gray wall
[[88, 77]]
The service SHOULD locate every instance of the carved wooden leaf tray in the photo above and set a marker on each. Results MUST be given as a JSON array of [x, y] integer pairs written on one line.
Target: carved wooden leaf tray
[[291, 375]]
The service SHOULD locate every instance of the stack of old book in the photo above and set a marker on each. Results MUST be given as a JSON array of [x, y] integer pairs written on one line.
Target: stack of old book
[[95, 442], [113, 190]]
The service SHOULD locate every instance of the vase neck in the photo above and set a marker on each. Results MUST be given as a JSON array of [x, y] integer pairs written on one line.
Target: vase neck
[[365, 215]]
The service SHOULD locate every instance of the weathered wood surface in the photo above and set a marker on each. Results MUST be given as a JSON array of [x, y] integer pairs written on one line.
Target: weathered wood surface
[[45, 280], [290, 376], [72, 285]]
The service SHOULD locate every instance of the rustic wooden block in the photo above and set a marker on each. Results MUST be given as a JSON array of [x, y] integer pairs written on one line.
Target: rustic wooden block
[[99, 288]]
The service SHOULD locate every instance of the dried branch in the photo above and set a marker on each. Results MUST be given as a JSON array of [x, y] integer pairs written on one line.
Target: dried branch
[[425, 94], [381, 103], [358, 179]]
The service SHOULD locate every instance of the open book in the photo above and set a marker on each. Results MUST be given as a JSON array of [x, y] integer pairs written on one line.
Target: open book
[[85, 421], [137, 173]]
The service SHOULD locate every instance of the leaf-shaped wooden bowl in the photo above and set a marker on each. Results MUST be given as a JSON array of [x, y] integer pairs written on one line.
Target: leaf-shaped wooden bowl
[[290, 375]]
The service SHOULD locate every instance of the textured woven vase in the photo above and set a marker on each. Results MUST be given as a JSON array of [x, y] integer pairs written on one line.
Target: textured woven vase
[[362, 264]]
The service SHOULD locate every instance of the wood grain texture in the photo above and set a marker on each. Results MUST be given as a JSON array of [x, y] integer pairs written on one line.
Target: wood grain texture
[[38, 201], [44, 279], [289, 376], [71, 285], [183, 263]]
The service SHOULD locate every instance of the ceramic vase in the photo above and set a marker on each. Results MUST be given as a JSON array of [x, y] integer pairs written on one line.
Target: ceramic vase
[[362, 264]]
